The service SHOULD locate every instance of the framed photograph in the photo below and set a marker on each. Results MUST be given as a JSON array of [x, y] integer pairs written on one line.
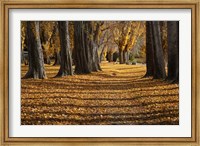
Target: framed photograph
[[105, 72]]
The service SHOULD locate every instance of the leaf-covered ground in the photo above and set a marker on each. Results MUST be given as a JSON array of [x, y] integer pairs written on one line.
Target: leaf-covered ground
[[118, 95]]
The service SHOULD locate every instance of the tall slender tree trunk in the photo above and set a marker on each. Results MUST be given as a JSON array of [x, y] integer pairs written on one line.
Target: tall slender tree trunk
[[101, 54], [159, 65], [66, 60], [35, 54], [149, 50], [173, 51], [94, 46], [47, 60], [121, 58], [111, 56], [124, 56], [44, 40], [96, 63], [127, 56], [163, 27], [57, 58], [55, 42]]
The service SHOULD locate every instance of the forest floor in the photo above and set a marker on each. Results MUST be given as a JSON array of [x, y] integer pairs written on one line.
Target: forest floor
[[118, 95]]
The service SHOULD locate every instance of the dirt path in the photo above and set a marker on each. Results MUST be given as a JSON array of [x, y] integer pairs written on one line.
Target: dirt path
[[116, 95]]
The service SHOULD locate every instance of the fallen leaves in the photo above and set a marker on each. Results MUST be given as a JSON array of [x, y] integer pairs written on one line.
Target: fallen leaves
[[117, 95]]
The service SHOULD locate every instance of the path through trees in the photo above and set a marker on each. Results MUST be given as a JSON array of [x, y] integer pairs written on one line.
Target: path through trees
[[117, 95], [100, 72]]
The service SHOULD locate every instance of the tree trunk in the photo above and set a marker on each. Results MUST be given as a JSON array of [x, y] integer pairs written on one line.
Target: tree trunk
[[173, 51], [94, 46], [121, 59], [57, 58], [101, 54], [163, 28], [35, 54], [55, 42], [82, 54], [22, 57], [96, 63], [95, 58], [110, 56], [43, 40], [127, 56], [86, 55], [124, 56], [149, 50], [47, 60], [159, 66], [66, 60]]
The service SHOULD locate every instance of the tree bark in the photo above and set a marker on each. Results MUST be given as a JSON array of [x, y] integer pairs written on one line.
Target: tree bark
[[22, 57], [124, 56], [110, 56], [101, 54], [35, 54], [81, 49], [94, 40], [86, 56], [66, 60], [43, 40], [149, 50], [57, 58], [127, 56], [159, 65], [163, 29], [47, 60], [121, 59], [173, 51]]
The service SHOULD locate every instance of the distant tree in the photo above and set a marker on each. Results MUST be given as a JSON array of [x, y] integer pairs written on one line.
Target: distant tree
[[126, 34], [104, 42], [46, 32], [66, 60], [112, 48], [100, 38], [173, 51], [23, 41], [57, 58], [122, 32], [103, 51], [55, 44], [134, 43], [36, 61]]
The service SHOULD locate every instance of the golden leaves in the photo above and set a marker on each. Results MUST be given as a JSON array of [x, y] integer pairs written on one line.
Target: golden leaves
[[117, 95]]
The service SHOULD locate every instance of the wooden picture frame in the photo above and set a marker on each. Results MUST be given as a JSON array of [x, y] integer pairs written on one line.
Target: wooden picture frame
[[182, 4]]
